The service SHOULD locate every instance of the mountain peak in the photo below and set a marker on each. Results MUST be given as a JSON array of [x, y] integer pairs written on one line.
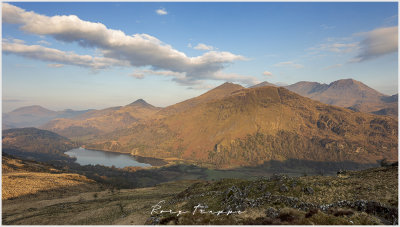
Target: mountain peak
[[222, 90], [32, 109], [140, 102], [345, 82], [263, 84], [229, 85]]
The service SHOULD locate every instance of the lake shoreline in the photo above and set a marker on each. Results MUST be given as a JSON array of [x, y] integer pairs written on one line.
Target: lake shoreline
[[154, 162], [85, 156]]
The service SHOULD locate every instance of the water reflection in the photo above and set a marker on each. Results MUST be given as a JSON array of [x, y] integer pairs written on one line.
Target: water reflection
[[92, 157]]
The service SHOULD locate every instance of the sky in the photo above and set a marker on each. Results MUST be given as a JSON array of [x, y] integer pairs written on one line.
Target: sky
[[95, 55]]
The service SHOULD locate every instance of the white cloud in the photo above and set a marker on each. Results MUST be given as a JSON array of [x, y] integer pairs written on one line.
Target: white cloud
[[141, 73], [18, 41], [377, 43], [161, 12], [289, 64], [202, 46], [337, 47], [44, 42], [55, 65], [182, 78], [266, 73], [61, 57], [333, 66], [233, 77], [137, 75], [137, 50]]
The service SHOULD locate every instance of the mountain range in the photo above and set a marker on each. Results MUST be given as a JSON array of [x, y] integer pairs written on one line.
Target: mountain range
[[347, 93], [34, 116], [97, 122], [236, 126], [231, 126]]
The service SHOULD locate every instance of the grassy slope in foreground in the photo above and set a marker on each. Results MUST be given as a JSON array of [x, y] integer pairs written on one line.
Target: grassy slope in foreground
[[37, 194], [284, 200], [33, 179], [360, 197]]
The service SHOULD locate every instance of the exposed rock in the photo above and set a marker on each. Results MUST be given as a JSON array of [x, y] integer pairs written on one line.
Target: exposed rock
[[308, 190], [278, 177], [283, 188], [341, 172], [271, 212]]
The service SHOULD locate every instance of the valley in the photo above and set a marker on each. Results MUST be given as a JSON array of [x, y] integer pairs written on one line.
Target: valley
[[199, 113], [264, 137]]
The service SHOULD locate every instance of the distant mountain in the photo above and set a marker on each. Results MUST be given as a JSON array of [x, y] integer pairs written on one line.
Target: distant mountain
[[34, 116], [263, 84], [141, 103], [250, 126], [346, 93], [390, 99], [266, 83], [97, 122]]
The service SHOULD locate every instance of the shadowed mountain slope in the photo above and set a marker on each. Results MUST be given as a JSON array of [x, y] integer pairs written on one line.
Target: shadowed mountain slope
[[37, 144]]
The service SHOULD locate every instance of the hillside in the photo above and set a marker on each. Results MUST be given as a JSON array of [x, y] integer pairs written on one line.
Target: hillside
[[359, 197], [34, 116], [251, 126], [367, 197], [33, 179], [347, 93], [35, 143], [219, 92], [97, 122]]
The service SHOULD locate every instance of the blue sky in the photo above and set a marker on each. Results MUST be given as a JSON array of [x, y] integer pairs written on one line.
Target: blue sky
[[110, 54]]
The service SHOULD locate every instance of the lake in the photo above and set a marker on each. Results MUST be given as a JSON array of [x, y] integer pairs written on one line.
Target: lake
[[91, 157]]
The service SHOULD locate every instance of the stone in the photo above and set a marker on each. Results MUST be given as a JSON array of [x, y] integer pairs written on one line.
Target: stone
[[271, 212], [308, 190], [283, 188]]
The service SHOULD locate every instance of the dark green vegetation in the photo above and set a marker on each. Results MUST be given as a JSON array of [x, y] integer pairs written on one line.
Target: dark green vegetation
[[36, 144], [360, 197]]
